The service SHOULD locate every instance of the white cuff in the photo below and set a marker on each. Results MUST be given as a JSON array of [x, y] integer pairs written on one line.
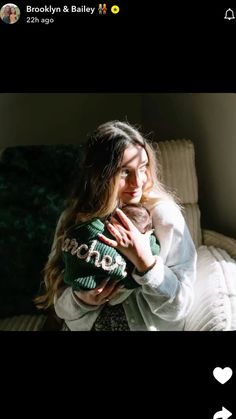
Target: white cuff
[[153, 277]]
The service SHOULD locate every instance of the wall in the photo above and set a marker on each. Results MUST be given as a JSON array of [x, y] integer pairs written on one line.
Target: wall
[[50, 118], [209, 120]]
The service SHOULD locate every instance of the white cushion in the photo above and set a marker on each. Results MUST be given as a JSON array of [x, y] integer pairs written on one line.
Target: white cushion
[[215, 292], [192, 216], [177, 168], [23, 322], [176, 163]]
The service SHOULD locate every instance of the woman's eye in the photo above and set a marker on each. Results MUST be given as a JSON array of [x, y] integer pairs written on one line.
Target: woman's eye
[[143, 169], [124, 172]]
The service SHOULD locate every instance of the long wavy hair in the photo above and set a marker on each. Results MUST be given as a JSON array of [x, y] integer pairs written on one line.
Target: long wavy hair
[[96, 193]]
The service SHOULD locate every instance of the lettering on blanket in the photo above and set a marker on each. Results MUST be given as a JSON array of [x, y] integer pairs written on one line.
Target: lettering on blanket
[[87, 253]]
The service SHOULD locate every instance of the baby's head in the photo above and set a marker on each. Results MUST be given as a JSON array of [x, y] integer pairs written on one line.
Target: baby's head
[[139, 215]]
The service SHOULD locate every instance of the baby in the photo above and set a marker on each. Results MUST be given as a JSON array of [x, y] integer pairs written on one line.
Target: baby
[[88, 260]]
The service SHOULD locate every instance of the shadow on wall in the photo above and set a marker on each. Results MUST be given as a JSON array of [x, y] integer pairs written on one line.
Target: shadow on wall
[[61, 118], [209, 120]]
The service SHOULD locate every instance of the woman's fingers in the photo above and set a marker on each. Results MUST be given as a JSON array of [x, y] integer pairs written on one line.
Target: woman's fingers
[[107, 241], [101, 286], [101, 294], [113, 293], [122, 235], [116, 232], [108, 291], [117, 224], [124, 219]]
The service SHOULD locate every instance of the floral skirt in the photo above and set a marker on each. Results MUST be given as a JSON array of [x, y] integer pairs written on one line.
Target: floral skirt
[[111, 318]]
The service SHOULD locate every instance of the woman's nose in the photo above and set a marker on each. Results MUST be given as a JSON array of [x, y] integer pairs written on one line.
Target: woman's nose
[[135, 180]]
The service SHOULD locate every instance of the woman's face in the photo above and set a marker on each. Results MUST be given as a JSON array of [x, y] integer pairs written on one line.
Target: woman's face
[[133, 175], [7, 10]]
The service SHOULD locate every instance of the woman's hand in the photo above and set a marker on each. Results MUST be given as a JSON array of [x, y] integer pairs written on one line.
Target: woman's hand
[[129, 241], [100, 295]]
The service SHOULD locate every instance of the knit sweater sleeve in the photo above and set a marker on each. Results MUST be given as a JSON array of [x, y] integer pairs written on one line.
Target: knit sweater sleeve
[[168, 286], [77, 314]]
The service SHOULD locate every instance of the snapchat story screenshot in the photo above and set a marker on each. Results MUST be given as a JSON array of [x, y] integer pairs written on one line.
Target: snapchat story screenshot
[[117, 191]]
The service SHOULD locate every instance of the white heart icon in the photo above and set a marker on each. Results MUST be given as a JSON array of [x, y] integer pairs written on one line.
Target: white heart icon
[[222, 374]]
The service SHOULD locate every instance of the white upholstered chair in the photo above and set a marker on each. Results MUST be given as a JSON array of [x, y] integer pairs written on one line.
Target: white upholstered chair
[[215, 288]]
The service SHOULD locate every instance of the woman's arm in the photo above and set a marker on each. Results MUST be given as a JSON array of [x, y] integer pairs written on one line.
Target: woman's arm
[[80, 308], [76, 314], [168, 286]]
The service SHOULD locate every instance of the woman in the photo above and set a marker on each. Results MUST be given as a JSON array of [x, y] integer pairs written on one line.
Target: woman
[[120, 167], [6, 14], [13, 15]]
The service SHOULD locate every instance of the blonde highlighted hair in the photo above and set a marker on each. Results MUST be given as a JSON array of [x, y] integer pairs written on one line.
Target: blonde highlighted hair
[[96, 193]]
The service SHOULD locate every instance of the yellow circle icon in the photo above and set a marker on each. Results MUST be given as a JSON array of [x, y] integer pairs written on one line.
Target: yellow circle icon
[[115, 9]]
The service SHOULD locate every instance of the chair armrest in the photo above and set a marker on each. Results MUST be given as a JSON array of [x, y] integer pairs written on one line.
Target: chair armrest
[[212, 238]]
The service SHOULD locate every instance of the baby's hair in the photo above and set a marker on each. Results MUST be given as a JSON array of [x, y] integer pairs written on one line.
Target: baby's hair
[[139, 215]]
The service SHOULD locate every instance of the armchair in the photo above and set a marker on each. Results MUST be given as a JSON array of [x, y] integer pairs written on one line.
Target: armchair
[[215, 287]]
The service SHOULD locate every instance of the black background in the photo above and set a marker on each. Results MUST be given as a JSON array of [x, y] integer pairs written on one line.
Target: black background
[[150, 48], [166, 374]]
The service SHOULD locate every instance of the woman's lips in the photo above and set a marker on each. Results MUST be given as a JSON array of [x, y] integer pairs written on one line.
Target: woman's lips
[[133, 193]]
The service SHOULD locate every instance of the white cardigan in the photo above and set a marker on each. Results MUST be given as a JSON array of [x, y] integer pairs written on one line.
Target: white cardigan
[[166, 293]]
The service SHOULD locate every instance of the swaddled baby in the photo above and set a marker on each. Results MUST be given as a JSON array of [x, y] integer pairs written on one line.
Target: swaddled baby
[[88, 261]]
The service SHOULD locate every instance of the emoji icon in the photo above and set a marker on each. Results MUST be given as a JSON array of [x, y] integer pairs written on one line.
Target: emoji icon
[[222, 374], [104, 8], [115, 9], [222, 414], [100, 8]]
